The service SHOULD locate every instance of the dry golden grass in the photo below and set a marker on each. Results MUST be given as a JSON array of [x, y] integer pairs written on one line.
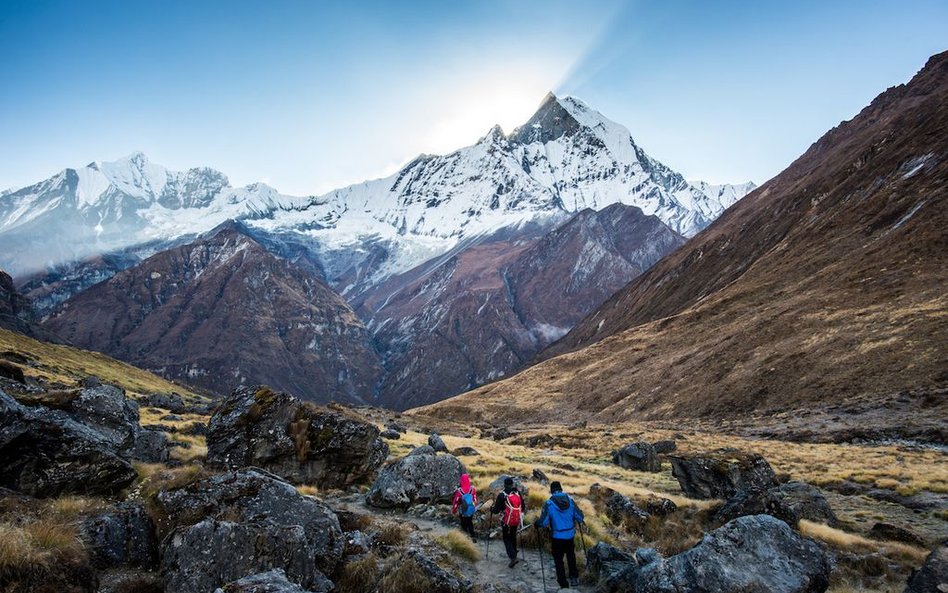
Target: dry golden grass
[[405, 577], [358, 576], [852, 542], [67, 364], [70, 507], [307, 490], [391, 533], [37, 547], [459, 543]]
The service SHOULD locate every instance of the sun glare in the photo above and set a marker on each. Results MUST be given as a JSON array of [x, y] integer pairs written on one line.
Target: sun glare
[[508, 101]]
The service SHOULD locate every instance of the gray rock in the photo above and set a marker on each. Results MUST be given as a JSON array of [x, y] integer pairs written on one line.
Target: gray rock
[[172, 402], [393, 425], [894, 533], [123, 535], [241, 523], [390, 434], [438, 579], [437, 443], [273, 581], [539, 476], [758, 553], [788, 502], [106, 409], [665, 447], [932, 577], [622, 511], [497, 486], [201, 557], [637, 456], [614, 569], [357, 544], [151, 446], [46, 453], [722, 473], [422, 450], [465, 451], [298, 441], [416, 478]]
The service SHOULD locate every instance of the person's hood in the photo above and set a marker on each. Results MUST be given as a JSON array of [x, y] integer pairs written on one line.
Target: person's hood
[[561, 500], [465, 482]]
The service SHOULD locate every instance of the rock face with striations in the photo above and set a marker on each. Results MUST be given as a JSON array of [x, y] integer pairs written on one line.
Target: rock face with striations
[[238, 524], [296, 440], [44, 453], [758, 553], [637, 456], [722, 473], [418, 477]]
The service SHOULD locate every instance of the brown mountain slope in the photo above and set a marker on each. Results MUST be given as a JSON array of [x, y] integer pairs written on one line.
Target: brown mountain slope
[[223, 311], [490, 307], [826, 283]]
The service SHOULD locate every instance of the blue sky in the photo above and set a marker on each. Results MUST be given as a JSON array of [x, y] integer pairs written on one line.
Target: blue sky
[[309, 96]]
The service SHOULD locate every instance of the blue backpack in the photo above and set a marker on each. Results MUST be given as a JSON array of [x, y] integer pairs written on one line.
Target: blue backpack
[[467, 507]]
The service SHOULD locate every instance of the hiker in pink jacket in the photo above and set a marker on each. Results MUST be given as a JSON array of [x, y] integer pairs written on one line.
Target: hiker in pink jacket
[[465, 505]]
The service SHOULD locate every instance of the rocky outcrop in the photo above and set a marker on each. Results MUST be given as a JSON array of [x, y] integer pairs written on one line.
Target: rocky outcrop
[[418, 477], [438, 580], [622, 511], [933, 575], [437, 443], [123, 535], [788, 502], [497, 486], [44, 453], [665, 447], [722, 473], [172, 402], [296, 440], [273, 581], [637, 456], [390, 434], [241, 523], [465, 452], [758, 553], [893, 533], [106, 409]]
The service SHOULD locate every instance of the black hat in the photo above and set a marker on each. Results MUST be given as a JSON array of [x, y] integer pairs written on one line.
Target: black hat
[[555, 487], [508, 483]]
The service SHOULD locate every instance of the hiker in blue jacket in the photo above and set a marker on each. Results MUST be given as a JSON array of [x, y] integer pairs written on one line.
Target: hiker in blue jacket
[[560, 514]]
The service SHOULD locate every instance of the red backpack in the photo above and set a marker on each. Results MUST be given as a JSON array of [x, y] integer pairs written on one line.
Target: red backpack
[[513, 513]]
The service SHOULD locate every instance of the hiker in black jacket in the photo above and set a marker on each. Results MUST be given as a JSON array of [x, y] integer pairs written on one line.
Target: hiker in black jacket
[[512, 504]]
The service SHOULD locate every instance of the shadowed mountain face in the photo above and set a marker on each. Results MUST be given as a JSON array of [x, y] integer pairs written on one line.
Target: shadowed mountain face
[[489, 308], [827, 282], [222, 311]]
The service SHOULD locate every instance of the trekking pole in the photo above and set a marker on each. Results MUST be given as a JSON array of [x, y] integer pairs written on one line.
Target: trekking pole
[[583, 540], [540, 556], [487, 552]]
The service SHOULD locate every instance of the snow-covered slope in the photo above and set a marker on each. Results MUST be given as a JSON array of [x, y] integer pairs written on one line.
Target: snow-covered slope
[[567, 157]]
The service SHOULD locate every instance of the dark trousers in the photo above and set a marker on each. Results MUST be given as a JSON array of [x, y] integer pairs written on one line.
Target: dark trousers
[[510, 539], [467, 525], [563, 547]]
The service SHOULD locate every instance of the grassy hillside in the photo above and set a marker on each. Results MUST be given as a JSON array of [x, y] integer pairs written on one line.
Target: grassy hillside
[[55, 363]]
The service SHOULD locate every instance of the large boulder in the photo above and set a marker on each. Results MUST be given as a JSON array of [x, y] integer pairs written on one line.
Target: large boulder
[[622, 511], [241, 523], [172, 402], [722, 473], [296, 440], [637, 456], [44, 452], [123, 535], [788, 502], [758, 553], [437, 579], [272, 581], [932, 577], [437, 443], [415, 478], [497, 486]]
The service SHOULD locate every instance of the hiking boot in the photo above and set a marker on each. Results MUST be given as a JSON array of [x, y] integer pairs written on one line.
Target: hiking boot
[[573, 582], [513, 562]]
